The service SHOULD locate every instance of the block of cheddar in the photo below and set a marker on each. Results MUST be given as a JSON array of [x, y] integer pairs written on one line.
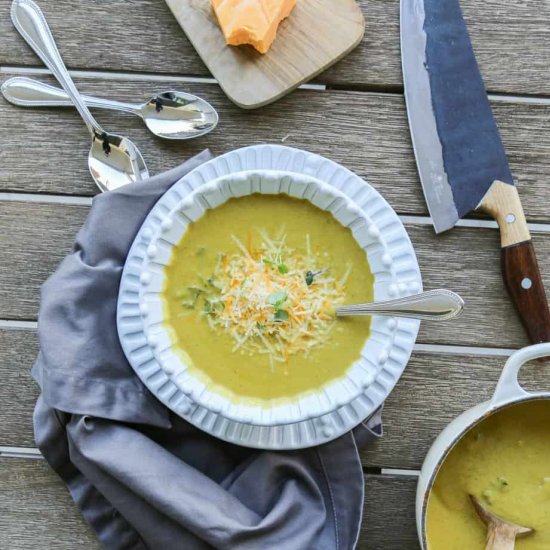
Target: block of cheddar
[[252, 22]]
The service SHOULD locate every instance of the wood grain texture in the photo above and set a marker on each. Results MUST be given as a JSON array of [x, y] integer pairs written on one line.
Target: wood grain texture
[[316, 35], [366, 132], [36, 510], [18, 350], [388, 516], [36, 236], [502, 202], [468, 261], [150, 40], [520, 268], [48, 240], [434, 389], [523, 281]]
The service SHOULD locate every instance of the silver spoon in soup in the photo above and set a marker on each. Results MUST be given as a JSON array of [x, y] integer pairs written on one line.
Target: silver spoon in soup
[[437, 305]]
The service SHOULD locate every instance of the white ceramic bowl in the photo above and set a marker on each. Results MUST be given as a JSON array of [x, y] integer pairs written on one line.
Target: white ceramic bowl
[[309, 419], [507, 393]]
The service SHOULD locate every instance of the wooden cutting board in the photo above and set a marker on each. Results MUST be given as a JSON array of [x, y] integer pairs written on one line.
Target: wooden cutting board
[[315, 35]]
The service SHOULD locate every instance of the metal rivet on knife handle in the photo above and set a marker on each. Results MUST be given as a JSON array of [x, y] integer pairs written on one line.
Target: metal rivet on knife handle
[[519, 262], [503, 204]]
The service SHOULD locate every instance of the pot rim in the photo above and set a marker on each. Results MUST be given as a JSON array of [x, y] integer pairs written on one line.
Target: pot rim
[[489, 412], [508, 393]]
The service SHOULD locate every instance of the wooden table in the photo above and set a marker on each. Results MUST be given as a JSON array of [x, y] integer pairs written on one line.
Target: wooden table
[[128, 49]]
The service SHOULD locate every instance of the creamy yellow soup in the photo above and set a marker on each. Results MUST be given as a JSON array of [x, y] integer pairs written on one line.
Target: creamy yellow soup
[[250, 292], [505, 463]]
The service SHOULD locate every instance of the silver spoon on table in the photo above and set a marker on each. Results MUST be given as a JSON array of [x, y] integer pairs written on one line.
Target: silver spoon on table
[[169, 115], [113, 160], [438, 305]]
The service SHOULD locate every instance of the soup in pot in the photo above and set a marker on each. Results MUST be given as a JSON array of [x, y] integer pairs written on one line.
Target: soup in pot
[[505, 462]]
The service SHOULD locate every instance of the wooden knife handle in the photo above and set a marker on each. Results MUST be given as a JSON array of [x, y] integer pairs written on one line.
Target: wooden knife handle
[[519, 262], [524, 283]]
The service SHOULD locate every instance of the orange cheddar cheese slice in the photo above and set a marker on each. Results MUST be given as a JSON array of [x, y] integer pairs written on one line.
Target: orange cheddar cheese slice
[[252, 22]]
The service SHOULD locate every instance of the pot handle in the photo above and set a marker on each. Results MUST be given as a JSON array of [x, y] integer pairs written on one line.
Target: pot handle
[[508, 386]]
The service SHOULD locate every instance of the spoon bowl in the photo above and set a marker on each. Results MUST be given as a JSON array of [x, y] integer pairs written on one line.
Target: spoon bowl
[[169, 115], [178, 115], [113, 160]]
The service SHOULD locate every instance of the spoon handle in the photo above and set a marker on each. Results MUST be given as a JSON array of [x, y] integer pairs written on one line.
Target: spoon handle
[[31, 24], [434, 304], [27, 92]]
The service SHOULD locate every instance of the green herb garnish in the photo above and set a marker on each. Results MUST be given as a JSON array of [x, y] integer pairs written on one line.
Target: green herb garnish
[[192, 294], [277, 299], [310, 275], [281, 267], [281, 315], [212, 305]]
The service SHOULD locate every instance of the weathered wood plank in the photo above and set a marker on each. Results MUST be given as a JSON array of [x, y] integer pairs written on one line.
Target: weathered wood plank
[[150, 40], [434, 389], [388, 516], [373, 140], [47, 241], [467, 260], [121, 35], [18, 349], [37, 511], [35, 236]]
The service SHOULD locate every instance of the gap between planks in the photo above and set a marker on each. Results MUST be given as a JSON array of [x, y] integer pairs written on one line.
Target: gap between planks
[[406, 219], [35, 454], [132, 77], [20, 452], [435, 349], [149, 77]]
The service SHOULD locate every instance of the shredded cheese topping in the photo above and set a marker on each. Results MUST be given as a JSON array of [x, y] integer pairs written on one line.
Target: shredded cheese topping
[[272, 299]]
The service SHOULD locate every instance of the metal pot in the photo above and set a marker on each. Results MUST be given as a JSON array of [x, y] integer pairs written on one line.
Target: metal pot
[[508, 392]]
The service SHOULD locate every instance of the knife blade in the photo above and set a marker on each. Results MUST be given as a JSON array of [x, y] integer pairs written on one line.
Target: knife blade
[[459, 153]]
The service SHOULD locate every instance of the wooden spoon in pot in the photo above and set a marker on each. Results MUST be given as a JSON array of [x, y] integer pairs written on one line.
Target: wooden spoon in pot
[[501, 535]]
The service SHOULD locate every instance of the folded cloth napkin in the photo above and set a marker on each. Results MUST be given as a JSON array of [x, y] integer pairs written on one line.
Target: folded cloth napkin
[[143, 477]]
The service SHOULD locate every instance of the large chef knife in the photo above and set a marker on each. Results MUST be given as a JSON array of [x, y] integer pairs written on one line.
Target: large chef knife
[[459, 153]]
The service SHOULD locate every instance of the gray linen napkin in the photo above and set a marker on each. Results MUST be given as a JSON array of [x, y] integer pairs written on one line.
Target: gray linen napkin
[[143, 477]]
